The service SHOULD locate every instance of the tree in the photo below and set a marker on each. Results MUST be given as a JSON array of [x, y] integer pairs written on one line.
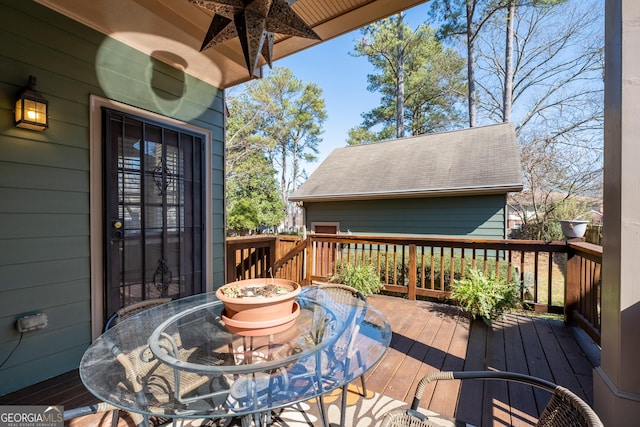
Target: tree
[[557, 98], [243, 216], [466, 18], [292, 114], [421, 82], [557, 182], [507, 92], [253, 197]]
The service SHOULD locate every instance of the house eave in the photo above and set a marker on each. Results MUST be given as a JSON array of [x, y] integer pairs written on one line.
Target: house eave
[[438, 192]]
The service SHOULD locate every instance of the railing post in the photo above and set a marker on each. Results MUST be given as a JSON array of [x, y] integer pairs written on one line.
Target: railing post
[[571, 285], [310, 259], [413, 273], [231, 263], [273, 244]]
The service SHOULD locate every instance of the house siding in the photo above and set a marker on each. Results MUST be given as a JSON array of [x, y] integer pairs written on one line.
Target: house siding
[[462, 216], [45, 176]]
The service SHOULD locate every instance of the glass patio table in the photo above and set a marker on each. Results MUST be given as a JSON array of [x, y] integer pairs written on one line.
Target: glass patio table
[[178, 359]]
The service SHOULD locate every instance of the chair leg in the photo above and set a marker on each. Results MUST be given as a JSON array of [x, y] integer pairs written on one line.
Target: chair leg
[[364, 387], [323, 411], [343, 408], [115, 417]]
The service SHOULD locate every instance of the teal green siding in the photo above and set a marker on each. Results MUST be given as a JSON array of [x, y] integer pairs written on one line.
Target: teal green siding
[[44, 176], [462, 216]]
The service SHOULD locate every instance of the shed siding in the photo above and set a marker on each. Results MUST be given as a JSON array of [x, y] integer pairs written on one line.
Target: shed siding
[[464, 216], [44, 176]]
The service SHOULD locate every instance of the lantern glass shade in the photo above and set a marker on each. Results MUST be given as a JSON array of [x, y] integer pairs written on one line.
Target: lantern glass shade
[[31, 109]]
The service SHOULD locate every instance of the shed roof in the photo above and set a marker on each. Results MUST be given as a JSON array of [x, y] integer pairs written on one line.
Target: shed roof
[[480, 160]]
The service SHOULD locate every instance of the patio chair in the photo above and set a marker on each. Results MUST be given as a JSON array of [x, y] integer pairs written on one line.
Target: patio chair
[[104, 407], [132, 309], [565, 409], [340, 292]]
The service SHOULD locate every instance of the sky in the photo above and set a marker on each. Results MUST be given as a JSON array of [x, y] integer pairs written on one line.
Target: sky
[[343, 79]]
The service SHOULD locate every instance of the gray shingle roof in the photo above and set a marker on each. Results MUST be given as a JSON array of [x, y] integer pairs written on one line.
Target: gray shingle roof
[[470, 161]]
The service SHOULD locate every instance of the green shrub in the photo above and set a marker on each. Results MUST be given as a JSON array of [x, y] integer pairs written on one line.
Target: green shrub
[[485, 297], [362, 277]]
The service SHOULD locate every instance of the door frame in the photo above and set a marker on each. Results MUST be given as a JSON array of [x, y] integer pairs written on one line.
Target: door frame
[[96, 201]]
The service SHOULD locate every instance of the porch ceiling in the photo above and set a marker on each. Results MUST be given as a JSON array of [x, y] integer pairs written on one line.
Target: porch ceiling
[[172, 30]]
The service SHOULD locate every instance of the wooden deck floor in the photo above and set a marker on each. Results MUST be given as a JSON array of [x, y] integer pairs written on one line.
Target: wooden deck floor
[[430, 337]]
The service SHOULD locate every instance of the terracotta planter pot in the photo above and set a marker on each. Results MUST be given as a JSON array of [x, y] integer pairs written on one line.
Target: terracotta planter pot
[[254, 310], [261, 328]]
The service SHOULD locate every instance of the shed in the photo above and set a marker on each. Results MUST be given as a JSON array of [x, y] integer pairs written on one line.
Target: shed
[[447, 184]]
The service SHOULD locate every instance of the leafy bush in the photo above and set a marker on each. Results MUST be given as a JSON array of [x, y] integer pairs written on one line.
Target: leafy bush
[[362, 277], [485, 297]]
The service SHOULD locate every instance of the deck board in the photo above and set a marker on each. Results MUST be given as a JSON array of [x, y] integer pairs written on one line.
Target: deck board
[[430, 337]]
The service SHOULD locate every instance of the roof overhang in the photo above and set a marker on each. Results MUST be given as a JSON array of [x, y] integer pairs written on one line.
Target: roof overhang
[[173, 30], [414, 194]]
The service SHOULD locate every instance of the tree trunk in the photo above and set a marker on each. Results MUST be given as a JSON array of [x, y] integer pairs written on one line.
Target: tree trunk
[[400, 82], [507, 95], [283, 176], [471, 64]]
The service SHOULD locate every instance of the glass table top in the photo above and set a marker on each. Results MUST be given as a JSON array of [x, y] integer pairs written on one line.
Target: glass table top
[[180, 360]]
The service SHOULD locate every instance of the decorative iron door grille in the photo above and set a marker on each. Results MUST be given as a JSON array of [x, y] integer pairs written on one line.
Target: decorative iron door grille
[[154, 219]]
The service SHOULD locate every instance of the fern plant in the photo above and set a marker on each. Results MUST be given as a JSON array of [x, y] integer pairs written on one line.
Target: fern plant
[[362, 277], [486, 297]]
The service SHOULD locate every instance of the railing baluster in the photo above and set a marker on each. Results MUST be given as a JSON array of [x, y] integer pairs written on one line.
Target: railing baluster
[[473, 259], [462, 260], [510, 268], [522, 264], [442, 268], [422, 269], [433, 267], [550, 277], [452, 268]]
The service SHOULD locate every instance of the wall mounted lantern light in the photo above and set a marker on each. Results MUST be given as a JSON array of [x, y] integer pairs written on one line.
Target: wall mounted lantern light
[[32, 109]]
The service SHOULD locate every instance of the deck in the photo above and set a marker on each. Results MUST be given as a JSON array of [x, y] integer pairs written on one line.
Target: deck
[[431, 337]]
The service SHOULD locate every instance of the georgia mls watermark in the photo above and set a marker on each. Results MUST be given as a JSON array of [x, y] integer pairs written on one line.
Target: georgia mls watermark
[[31, 416]]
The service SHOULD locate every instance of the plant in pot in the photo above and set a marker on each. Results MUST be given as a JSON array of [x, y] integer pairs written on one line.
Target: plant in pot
[[485, 297], [259, 306]]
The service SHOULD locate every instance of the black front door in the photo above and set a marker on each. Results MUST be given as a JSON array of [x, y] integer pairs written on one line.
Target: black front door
[[153, 181]]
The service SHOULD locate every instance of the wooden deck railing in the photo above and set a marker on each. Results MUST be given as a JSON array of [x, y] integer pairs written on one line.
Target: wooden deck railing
[[255, 256], [583, 297], [426, 266], [556, 277]]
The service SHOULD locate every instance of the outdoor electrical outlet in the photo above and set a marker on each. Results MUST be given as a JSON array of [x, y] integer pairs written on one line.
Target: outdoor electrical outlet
[[32, 323]]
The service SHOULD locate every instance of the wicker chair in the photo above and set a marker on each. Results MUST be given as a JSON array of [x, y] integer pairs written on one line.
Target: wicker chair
[[339, 291], [102, 407], [133, 309], [565, 409]]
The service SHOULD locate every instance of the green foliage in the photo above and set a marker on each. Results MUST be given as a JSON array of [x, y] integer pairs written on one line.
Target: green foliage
[[273, 123], [243, 216], [362, 277], [252, 194], [432, 75], [292, 113], [547, 227], [362, 135], [438, 267], [483, 296]]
